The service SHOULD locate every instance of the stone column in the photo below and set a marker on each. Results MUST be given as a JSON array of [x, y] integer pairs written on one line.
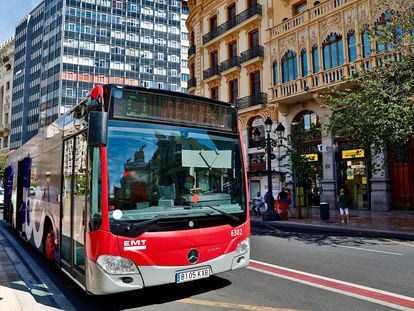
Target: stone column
[[328, 167], [380, 183]]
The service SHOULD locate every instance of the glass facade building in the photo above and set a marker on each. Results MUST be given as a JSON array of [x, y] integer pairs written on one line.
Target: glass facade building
[[65, 47]]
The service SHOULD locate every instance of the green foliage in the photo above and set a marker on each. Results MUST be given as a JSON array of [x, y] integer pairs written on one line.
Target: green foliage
[[300, 168], [3, 160], [378, 107]]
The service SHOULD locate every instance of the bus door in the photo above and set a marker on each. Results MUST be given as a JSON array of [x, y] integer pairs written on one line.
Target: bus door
[[73, 205]]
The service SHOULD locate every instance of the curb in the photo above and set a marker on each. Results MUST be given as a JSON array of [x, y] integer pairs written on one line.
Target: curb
[[333, 230]]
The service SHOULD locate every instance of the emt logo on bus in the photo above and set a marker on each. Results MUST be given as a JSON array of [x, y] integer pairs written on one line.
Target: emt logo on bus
[[135, 245]]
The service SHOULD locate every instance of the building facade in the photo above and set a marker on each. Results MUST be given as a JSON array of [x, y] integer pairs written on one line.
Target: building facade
[[229, 61], [65, 47], [6, 85], [276, 59]]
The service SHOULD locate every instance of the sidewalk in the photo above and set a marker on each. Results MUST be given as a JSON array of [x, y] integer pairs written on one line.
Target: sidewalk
[[393, 224], [20, 286]]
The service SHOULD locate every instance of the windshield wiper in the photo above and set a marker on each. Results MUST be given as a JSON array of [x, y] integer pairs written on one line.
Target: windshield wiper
[[128, 226], [230, 216]]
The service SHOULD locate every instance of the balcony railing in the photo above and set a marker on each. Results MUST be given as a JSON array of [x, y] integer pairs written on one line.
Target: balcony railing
[[238, 19], [310, 14], [256, 51], [191, 50], [250, 101], [230, 63], [191, 83], [212, 71]]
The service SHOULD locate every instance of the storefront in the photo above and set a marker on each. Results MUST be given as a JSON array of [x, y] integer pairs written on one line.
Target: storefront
[[353, 176]]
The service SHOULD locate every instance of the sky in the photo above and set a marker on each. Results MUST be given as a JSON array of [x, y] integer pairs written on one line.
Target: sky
[[12, 12]]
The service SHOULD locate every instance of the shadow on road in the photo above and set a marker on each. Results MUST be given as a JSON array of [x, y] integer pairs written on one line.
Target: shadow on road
[[152, 296], [313, 237]]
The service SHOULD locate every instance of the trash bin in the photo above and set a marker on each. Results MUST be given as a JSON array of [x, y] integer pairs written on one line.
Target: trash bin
[[324, 209]]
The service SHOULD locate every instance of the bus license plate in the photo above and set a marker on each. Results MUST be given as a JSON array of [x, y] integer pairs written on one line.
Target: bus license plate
[[192, 275]]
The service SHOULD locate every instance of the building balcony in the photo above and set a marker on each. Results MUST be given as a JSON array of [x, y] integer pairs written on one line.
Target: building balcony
[[211, 72], [306, 88], [254, 52], [231, 63], [317, 12], [191, 51], [250, 101], [192, 83], [237, 20]]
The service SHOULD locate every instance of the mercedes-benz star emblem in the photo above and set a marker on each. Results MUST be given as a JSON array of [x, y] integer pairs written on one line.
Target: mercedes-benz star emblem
[[193, 256]]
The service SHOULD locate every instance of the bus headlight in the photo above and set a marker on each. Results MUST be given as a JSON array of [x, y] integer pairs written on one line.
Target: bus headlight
[[117, 264], [243, 247]]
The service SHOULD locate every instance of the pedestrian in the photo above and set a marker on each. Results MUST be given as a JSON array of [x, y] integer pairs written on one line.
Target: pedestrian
[[343, 207], [283, 195], [283, 204], [258, 204]]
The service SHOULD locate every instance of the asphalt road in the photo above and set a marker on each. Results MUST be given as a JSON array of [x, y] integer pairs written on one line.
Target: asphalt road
[[287, 272]]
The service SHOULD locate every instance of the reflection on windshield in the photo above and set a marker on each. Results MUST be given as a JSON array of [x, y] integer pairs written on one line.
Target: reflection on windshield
[[171, 171]]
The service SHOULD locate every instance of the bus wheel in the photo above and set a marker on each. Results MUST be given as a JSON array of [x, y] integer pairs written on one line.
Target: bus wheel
[[49, 246]]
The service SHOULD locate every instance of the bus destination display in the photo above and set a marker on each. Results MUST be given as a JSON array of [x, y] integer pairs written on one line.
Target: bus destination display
[[141, 105]]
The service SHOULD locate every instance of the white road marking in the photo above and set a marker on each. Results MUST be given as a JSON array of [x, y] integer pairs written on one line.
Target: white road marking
[[374, 295], [369, 250]]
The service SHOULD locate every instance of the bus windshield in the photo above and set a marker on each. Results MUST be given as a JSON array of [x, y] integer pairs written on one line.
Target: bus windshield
[[167, 172]]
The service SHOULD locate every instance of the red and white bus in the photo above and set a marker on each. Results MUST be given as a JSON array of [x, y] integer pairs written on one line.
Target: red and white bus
[[134, 188]]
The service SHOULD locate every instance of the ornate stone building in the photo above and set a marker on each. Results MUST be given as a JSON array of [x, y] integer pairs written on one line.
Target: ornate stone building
[[6, 80], [275, 58]]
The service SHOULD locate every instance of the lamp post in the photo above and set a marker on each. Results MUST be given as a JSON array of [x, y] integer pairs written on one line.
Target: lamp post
[[270, 143]]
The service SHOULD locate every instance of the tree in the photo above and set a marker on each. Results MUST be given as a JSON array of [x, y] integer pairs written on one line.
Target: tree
[[377, 107], [299, 167], [3, 159]]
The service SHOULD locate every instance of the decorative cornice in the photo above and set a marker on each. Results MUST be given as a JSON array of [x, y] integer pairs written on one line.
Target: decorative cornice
[[233, 75], [254, 67]]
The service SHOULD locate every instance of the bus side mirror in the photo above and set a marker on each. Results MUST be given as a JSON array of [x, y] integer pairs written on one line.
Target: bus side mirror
[[98, 129]]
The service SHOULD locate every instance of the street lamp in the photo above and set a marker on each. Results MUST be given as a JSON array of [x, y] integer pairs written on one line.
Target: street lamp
[[270, 143]]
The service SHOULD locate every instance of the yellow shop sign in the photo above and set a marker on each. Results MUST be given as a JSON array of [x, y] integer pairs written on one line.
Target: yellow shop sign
[[311, 157], [353, 153]]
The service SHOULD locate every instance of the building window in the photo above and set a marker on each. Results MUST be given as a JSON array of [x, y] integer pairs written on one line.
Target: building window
[[232, 49], [300, 8], [234, 90], [214, 58], [255, 88], [289, 67], [351, 46], [275, 73], [333, 54], [315, 59], [303, 63], [251, 3], [254, 38], [214, 92], [231, 11], [213, 22], [394, 33], [366, 44]]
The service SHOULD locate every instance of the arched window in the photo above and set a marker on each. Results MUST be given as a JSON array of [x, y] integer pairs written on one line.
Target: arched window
[[315, 59], [366, 44], [351, 42], [289, 67], [333, 54], [303, 63], [275, 73], [389, 33]]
